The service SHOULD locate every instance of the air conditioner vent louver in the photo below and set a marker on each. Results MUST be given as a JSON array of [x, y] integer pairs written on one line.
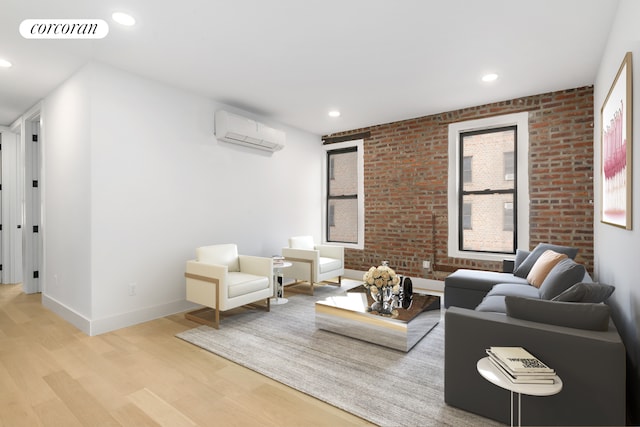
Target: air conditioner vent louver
[[240, 130]]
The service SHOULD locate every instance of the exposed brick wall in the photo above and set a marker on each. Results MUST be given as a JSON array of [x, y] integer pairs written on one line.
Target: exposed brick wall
[[405, 183]]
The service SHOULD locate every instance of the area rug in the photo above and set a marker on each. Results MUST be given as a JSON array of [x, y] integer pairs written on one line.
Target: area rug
[[381, 385]]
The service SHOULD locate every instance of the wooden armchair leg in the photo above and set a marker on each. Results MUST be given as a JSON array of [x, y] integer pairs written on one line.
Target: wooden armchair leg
[[198, 317]]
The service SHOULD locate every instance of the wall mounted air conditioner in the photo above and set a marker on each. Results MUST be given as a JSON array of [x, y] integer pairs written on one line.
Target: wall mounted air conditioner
[[243, 131]]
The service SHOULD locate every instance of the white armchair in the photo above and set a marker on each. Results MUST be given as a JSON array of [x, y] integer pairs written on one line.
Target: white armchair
[[220, 279], [314, 263]]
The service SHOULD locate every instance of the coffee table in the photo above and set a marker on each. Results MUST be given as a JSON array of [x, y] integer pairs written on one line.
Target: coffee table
[[347, 314]]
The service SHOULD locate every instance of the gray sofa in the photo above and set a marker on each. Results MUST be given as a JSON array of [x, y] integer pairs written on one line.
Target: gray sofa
[[563, 323]]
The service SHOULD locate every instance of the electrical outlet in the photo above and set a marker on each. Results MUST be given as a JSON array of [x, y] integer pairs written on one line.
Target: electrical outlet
[[426, 265], [132, 289]]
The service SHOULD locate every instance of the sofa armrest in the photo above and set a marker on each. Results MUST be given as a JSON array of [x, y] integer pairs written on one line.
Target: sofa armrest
[[508, 265], [591, 365]]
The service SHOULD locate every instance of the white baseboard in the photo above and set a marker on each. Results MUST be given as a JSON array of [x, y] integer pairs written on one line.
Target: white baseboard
[[68, 314], [100, 326], [418, 282]]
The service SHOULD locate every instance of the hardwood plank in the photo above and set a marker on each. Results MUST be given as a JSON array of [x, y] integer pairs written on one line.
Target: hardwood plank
[[51, 374], [54, 413], [82, 404], [159, 410], [130, 415], [14, 409]]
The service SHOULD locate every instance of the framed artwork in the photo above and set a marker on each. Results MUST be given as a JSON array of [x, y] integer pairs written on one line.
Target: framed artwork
[[615, 172]]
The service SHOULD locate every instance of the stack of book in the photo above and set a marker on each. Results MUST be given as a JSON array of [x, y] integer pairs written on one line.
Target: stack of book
[[520, 366], [278, 260]]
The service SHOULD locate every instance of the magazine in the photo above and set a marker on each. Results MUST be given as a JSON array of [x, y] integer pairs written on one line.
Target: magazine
[[517, 360], [523, 379]]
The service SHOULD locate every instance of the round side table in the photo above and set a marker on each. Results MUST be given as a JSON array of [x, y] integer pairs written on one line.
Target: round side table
[[492, 374], [279, 299]]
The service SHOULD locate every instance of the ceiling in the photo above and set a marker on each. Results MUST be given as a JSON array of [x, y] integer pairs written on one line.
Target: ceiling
[[377, 61]]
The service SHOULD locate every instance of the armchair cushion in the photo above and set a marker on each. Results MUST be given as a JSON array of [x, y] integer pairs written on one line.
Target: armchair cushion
[[302, 242], [243, 283], [219, 254], [329, 264]]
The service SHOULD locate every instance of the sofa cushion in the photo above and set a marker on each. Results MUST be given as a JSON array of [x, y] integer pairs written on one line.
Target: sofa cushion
[[524, 268], [516, 290], [543, 266], [565, 274], [588, 316], [492, 303], [586, 292]]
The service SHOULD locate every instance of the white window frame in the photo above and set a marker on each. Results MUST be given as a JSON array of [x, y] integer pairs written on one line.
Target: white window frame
[[359, 143], [521, 120]]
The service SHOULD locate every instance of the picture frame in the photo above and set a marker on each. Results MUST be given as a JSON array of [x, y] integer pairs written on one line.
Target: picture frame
[[616, 146]]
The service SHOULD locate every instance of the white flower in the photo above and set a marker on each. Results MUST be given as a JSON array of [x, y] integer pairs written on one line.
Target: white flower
[[379, 277]]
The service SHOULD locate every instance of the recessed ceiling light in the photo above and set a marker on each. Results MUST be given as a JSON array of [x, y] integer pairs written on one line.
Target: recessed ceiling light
[[4, 63], [123, 18], [334, 113], [490, 77]]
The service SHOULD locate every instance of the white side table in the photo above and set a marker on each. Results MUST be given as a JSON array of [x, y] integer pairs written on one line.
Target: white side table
[[277, 280], [492, 374]]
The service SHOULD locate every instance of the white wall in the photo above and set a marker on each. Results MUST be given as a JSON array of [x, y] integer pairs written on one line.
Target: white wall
[[616, 249], [159, 185], [66, 186]]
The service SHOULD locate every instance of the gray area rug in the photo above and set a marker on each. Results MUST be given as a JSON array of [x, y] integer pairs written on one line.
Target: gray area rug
[[384, 386]]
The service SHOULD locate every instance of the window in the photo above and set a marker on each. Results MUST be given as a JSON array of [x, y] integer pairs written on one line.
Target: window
[[466, 216], [488, 191], [508, 218], [509, 166], [466, 169], [488, 196], [344, 212]]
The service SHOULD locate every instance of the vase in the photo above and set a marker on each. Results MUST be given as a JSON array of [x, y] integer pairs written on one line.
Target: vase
[[383, 300]]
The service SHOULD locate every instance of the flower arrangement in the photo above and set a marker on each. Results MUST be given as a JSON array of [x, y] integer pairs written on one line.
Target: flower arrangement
[[379, 277]]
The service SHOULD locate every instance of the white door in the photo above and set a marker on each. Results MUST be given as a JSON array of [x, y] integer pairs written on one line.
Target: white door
[[32, 232], [11, 207]]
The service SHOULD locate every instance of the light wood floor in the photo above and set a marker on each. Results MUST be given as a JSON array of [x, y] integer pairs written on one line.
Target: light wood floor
[[51, 374]]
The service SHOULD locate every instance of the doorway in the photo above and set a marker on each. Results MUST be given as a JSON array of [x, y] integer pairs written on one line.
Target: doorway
[[20, 202]]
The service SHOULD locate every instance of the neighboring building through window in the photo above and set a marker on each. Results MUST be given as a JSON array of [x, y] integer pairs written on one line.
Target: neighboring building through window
[[488, 191], [466, 216], [344, 213], [509, 166], [488, 197], [508, 220], [467, 175]]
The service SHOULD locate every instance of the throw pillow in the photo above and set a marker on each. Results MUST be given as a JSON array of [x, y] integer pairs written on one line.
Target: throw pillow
[[586, 292], [543, 266], [520, 257], [593, 317], [523, 269], [562, 276]]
